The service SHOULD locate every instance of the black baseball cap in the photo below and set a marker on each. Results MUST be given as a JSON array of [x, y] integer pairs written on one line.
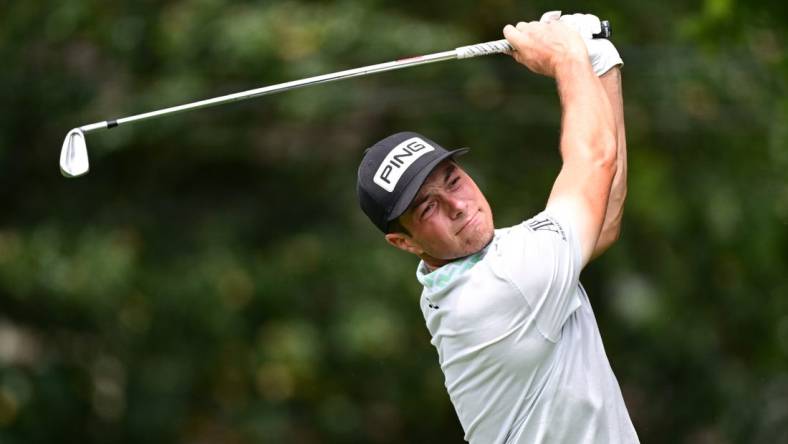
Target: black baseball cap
[[393, 170]]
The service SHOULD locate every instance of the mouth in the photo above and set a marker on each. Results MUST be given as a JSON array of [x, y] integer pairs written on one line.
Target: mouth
[[471, 220]]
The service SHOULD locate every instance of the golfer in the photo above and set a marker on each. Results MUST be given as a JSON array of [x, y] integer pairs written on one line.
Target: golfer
[[516, 336]]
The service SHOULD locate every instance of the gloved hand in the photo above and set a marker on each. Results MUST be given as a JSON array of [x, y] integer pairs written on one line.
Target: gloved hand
[[601, 52]]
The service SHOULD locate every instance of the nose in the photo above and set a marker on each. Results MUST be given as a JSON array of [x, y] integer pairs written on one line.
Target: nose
[[456, 207]]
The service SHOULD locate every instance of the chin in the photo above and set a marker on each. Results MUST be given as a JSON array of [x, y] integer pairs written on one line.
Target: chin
[[477, 241], [485, 238], [485, 233]]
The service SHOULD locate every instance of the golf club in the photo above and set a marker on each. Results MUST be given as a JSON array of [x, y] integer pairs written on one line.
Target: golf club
[[74, 154]]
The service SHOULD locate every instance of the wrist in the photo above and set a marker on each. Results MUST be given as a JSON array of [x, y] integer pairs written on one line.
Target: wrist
[[603, 55], [573, 63]]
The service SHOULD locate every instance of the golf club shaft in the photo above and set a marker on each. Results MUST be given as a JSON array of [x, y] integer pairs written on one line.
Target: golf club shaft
[[493, 47], [272, 89]]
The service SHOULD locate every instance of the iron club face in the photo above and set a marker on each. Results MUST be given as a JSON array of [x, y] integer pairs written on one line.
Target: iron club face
[[74, 154]]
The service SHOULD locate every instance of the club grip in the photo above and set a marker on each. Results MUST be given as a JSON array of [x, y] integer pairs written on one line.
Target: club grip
[[503, 46]]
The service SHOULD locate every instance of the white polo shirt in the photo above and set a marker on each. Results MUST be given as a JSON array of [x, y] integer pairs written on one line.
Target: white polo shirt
[[518, 343]]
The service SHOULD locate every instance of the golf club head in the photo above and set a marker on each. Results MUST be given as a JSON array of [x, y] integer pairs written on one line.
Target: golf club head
[[74, 155]]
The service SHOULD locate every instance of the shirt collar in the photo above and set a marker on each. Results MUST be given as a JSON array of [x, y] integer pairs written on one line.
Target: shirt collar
[[435, 280]]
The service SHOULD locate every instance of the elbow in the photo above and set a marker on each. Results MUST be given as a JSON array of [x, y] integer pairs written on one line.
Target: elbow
[[612, 232], [615, 234], [607, 238], [598, 154], [605, 156], [604, 149]]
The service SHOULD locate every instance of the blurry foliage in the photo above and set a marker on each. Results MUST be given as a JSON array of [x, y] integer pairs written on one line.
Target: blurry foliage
[[212, 280]]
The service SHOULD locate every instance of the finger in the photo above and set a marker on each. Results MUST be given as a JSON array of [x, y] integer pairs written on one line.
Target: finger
[[570, 20], [550, 16], [515, 38], [523, 26], [575, 22], [512, 34], [595, 24]]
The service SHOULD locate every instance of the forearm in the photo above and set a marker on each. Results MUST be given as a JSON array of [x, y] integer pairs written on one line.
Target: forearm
[[611, 228], [588, 125]]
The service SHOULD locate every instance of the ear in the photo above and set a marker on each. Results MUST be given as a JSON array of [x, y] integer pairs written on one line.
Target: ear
[[404, 242]]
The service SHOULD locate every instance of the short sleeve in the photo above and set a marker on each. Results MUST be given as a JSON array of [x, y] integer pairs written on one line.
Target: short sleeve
[[542, 258]]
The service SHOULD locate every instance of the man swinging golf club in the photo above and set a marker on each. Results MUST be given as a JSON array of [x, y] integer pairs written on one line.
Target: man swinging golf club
[[516, 337]]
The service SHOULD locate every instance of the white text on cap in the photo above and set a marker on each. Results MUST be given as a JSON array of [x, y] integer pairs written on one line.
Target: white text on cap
[[398, 160]]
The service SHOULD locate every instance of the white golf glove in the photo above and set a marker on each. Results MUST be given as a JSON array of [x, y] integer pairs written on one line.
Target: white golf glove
[[601, 52]]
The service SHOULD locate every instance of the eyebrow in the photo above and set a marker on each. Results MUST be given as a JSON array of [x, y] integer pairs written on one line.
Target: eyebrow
[[420, 199]]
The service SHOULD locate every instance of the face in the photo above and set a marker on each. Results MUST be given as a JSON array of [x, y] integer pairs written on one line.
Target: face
[[448, 219]]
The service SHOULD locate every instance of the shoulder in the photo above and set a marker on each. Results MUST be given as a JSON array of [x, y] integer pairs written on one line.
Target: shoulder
[[533, 249], [544, 224]]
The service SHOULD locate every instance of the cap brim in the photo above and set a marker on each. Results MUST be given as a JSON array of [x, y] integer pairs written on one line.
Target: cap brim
[[412, 188]]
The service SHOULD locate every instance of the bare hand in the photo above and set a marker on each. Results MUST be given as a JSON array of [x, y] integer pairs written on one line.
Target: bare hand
[[545, 48]]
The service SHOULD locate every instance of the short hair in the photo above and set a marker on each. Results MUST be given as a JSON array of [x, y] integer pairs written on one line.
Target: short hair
[[395, 226]]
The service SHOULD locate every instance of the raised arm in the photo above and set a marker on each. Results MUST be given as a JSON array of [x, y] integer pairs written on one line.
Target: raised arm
[[588, 135], [606, 62]]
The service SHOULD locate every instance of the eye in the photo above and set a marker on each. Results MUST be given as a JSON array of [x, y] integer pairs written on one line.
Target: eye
[[427, 209], [454, 182]]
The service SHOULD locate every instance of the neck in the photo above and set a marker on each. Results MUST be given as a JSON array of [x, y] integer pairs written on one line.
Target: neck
[[434, 263]]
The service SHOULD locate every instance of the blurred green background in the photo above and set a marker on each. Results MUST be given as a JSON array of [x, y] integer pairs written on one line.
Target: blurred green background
[[212, 280]]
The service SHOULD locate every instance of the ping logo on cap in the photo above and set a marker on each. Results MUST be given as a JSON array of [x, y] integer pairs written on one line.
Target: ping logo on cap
[[398, 160]]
